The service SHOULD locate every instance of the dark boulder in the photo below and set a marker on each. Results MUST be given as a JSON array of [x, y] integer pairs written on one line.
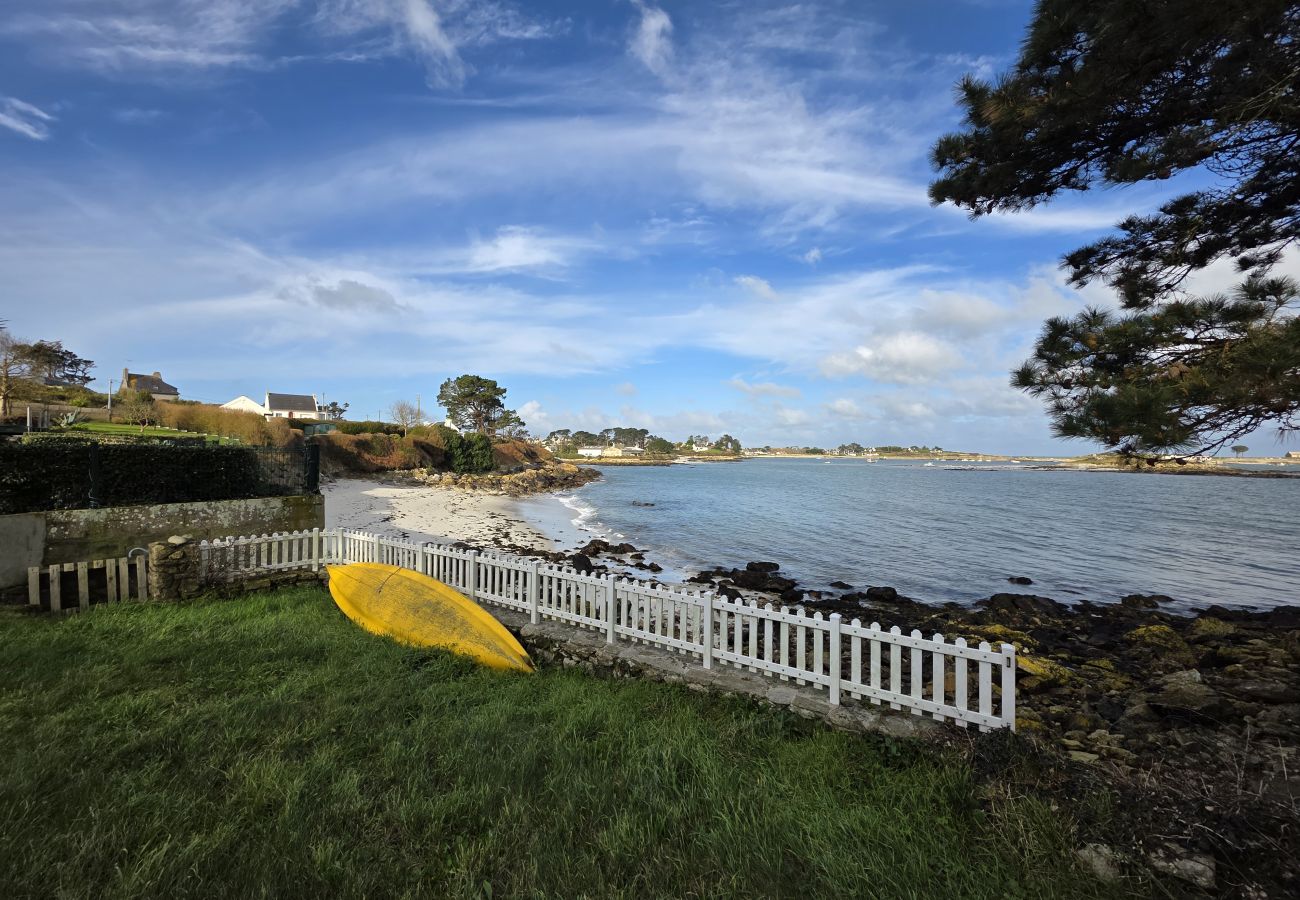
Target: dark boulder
[[655, 567], [841, 585], [763, 566], [882, 594], [1020, 579], [1025, 604], [1144, 601], [792, 595], [622, 548], [748, 578], [581, 563]]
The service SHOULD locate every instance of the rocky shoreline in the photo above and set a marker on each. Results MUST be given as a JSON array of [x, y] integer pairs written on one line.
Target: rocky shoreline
[[539, 480], [1182, 730]]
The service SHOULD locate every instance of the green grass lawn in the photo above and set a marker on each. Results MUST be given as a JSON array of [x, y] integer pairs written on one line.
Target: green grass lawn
[[147, 430], [266, 746]]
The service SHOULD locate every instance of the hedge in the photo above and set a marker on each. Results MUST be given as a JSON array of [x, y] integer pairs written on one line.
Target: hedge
[[81, 474]]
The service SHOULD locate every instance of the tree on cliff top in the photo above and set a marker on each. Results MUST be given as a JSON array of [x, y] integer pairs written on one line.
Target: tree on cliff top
[[406, 414], [475, 403], [1114, 92]]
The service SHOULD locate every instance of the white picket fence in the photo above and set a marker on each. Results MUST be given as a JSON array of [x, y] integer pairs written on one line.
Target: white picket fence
[[124, 578], [927, 676]]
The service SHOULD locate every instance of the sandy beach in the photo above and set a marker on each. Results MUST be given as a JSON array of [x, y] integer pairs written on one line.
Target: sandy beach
[[430, 514]]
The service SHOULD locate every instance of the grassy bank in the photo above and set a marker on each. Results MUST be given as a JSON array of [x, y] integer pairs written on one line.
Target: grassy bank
[[267, 746]]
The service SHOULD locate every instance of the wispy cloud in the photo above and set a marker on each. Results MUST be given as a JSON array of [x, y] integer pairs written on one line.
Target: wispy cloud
[[146, 38], [759, 287], [763, 388], [24, 118], [651, 41]]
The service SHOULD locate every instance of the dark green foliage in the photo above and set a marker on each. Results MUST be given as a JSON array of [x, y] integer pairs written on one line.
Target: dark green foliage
[[1113, 92], [49, 359], [727, 444], [1190, 375], [267, 747], [656, 444], [475, 403], [369, 427], [469, 454], [72, 474], [335, 411], [62, 437]]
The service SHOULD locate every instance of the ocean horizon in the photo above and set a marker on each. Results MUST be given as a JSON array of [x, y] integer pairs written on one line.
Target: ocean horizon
[[939, 533]]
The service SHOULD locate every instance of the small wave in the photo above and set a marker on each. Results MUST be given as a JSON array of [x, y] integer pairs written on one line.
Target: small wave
[[585, 518]]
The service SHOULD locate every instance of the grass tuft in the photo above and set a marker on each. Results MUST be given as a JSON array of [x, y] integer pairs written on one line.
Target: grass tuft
[[267, 746]]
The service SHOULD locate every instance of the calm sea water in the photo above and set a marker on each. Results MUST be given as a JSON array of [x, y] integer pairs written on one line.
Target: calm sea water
[[938, 534]]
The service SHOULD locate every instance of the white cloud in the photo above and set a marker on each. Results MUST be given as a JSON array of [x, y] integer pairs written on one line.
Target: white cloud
[[813, 256], [790, 417], [139, 37], [844, 408], [759, 287], [652, 41], [625, 389], [24, 118], [763, 388], [907, 357], [517, 247]]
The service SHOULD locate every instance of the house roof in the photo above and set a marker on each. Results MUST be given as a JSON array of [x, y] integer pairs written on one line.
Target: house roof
[[291, 402], [151, 383]]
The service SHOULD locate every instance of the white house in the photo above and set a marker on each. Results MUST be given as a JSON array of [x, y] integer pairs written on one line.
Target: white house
[[279, 406], [700, 447], [245, 404], [591, 452], [292, 406]]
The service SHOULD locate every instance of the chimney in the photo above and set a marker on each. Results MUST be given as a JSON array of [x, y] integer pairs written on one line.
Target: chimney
[[157, 375], [125, 378]]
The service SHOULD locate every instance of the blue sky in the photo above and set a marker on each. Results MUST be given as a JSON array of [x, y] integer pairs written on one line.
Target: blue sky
[[690, 217]]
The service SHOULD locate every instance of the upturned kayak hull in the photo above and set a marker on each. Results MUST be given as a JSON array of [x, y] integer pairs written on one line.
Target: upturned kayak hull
[[415, 609]]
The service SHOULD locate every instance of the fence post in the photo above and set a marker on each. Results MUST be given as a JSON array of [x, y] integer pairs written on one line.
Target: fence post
[[534, 592], [471, 574], [1009, 686], [315, 549], [378, 549], [611, 618], [835, 659], [708, 630]]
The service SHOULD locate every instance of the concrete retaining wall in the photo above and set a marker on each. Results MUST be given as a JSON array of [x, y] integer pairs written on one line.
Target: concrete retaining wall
[[73, 535]]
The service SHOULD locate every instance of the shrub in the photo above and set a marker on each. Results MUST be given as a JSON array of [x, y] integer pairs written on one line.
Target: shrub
[[246, 427], [369, 427], [69, 473], [280, 433]]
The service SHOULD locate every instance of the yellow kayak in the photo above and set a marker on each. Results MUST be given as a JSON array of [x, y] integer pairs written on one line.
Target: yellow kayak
[[414, 609]]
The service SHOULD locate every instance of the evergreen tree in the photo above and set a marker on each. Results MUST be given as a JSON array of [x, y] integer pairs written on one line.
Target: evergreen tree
[[475, 403], [1114, 92]]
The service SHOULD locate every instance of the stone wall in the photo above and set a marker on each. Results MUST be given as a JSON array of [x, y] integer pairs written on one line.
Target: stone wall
[[175, 573], [73, 535]]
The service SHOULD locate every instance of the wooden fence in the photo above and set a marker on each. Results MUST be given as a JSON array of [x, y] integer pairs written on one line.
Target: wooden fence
[[69, 586], [948, 680]]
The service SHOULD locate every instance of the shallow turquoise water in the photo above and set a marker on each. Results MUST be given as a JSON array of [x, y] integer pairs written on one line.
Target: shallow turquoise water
[[940, 534]]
